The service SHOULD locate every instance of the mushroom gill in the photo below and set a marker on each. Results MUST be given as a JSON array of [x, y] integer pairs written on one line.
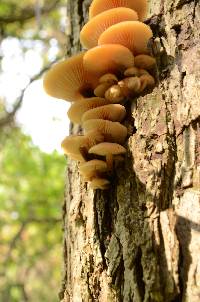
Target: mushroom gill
[[108, 58], [134, 35], [112, 112], [69, 80], [112, 131]]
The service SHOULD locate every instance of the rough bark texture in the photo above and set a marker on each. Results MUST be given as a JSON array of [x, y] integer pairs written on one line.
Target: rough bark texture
[[139, 241]]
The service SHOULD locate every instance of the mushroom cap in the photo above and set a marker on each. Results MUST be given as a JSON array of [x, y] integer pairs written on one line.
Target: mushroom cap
[[112, 131], [72, 144], [78, 108], [134, 35], [112, 112], [92, 30], [69, 80], [110, 58], [144, 61], [106, 148], [92, 167], [98, 6], [99, 183]]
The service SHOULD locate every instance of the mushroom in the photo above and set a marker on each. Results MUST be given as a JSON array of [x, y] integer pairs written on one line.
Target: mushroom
[[98, 6], [144, 61], [101, 89], [91, 31], [108, 78], [114, 94], [108, 150], [99, 183], [109, 58], [93, 168], [130, 86], [134, 35], [131, 72], [69, 80], [77, 109], [146, 81], [112, 112], [74, 146], [112, 131], [77, 146]]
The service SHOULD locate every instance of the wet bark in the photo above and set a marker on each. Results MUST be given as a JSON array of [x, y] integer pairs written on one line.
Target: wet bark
[[139, 241]]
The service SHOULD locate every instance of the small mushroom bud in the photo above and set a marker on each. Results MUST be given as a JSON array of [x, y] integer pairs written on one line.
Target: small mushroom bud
[[131, 72], [108, 78], [144, 61], [146, 81], [142, 71], [130, 86], [101, 89], [114, 94], [99, 183]]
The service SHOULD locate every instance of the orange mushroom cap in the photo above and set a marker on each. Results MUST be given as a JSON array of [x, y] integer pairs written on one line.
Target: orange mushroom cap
[[91, 32], [98, 6], [106, 148], [92, 167], [77, 109], [99, 183], [134, 35], [108, 58], [112, 112], [112, 131], [69, 80]]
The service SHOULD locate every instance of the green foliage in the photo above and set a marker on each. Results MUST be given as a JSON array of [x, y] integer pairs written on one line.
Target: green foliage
[[31, 194]]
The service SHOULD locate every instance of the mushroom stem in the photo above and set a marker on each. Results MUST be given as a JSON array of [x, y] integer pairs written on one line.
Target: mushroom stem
[[109, 161]]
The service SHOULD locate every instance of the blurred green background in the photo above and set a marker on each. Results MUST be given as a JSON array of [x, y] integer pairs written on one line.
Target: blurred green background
[[31, 180]]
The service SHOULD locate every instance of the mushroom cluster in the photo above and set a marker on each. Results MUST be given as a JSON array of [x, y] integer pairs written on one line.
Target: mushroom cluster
[[116, 68]]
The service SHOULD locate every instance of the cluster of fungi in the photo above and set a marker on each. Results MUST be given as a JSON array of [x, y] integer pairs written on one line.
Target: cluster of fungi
[[115, 68]]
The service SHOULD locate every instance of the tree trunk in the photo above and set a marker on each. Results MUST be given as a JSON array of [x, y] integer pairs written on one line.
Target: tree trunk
[[139, 241]]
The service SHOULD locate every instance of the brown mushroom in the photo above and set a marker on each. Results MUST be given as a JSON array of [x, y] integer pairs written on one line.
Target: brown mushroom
[[144, 61], [99, 183], [112, 112], [130, 86], [146, 81], [134, 35], [114, 94], [98, 6], [112, 131], [93, 168], [109, 78], [77, 109], [108, 150], [69, 80], [92, 30], [73, 144], [109, 58]]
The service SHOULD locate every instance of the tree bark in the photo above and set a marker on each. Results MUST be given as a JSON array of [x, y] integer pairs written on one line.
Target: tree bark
[[139, 241]]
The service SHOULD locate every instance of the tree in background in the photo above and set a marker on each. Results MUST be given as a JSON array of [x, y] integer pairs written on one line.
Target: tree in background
[[139, 241], [31, 181]]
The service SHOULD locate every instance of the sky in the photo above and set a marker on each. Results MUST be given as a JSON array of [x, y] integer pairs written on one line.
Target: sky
[[42, 117]]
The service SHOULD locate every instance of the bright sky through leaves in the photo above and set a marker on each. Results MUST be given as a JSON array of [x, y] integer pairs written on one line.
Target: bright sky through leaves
[[42, 117]]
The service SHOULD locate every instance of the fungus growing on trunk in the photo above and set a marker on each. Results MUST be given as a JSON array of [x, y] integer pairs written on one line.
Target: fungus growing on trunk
[[78, 108], [93, 168], [112, 131], [92, 30], [144, 61], [69, 80], [112, 112], [108, 150], [109, 58], [134, 35], [98, 6], [99, 183]]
